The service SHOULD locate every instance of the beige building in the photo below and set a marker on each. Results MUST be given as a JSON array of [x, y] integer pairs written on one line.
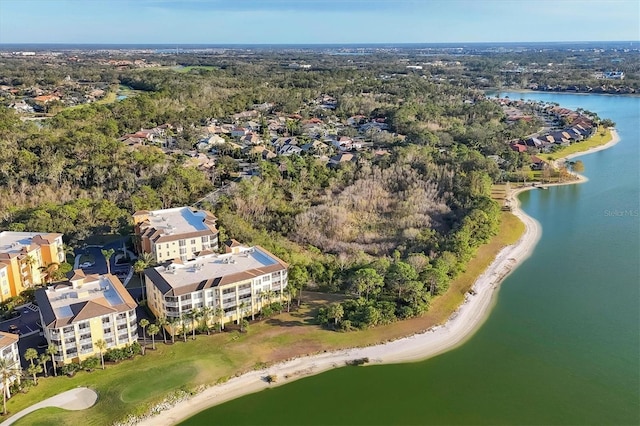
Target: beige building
[[236, 282], [9, 348], [178, 233], [87, 308], [21, 256]]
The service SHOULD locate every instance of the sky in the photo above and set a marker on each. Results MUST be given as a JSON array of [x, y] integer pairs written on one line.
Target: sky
[[316, 21]]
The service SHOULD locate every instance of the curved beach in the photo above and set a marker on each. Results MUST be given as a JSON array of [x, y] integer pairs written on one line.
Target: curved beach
[[460, 326]]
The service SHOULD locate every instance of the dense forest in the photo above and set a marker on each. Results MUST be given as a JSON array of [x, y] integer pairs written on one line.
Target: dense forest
[[390, 227]]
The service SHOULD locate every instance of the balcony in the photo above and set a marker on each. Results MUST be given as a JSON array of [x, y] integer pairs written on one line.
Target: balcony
[[71, 335], [85, 341], [171, 304], [86, 351], [121, 322]]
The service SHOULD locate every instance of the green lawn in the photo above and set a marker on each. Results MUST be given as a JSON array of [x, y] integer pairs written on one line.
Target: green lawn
[[192, 67], [600, 138], [135, 385], [158, 382]]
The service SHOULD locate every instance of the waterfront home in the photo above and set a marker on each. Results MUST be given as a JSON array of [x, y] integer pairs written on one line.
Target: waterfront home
[[22, 254], [237, 282], [83, 310], [179, 232]]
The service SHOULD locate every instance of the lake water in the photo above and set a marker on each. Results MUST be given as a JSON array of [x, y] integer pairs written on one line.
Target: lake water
[[561, 345]]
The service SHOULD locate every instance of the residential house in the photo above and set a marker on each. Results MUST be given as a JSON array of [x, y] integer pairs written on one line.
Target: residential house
[[251, 139], [252, 126], [177, 233], [518, 147], [537, 163], [87, 308], [236, 282], [22, 107], [245, 115], [343, 157], [45, 99], [356, 120], [289, 149], [210, 141], [238, 132], [22, 254], [9, 351]]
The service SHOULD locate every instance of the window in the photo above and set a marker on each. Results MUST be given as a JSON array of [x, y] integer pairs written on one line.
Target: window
[[193, 241], [183, 251], [167, 245], [205, 239], [182, 243], [168, 254], [194, 249], [106, 320]]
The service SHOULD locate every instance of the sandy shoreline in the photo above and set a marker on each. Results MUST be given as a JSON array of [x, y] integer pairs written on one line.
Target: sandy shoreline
[[468, 318], [460, 326]]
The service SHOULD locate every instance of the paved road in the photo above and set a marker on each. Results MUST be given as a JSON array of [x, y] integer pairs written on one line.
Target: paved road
[[74, 399]]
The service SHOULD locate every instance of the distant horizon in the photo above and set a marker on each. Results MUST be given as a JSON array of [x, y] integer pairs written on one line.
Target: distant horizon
[[276, 22], [440, 43]]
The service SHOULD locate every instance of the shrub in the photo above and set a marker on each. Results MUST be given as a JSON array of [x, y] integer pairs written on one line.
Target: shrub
[[70, 369], [90, 364]]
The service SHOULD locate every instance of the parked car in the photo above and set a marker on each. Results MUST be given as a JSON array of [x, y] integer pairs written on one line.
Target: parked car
[[86, 264]]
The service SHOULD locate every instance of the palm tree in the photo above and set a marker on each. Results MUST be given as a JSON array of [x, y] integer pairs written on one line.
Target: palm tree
[[242, 307], [8, 371], [336, 312], [139, 267], [185, 319], [101, 345], [270, 294], [30, 355], [172, 322], [30, 261], [218, 313], [145, 260], [143, 324], [107, 255], [50, 271], [206, 315], [66, 250], [291, 293], [153, 330], [42, 360], [162, 323], [194, 316], [52, 350]]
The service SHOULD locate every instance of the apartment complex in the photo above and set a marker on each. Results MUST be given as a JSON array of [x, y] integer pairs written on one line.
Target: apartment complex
[[21, 256], [87, 308], [178, 233], [236, 282], [9, 350]]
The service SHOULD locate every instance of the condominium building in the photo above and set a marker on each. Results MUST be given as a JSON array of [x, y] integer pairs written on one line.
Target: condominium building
[[9, 351], [87, 308], [178, 233], [236, 282], [22, 254]]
